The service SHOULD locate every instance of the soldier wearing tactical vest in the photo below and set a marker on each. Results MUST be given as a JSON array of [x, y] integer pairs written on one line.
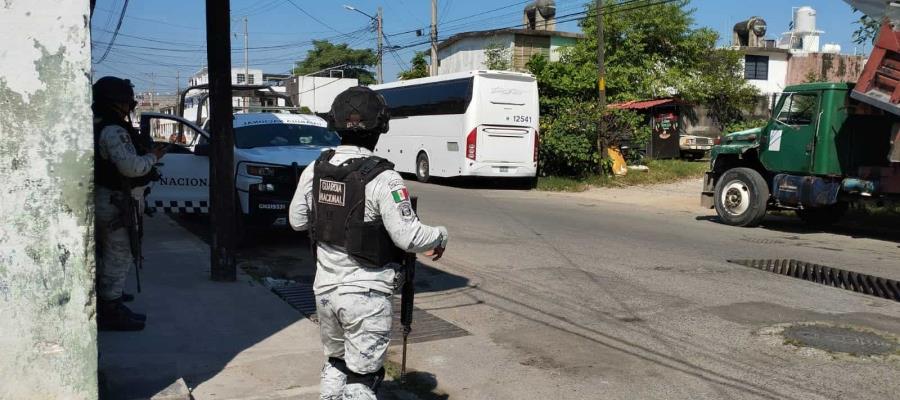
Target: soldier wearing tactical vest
[[360, 217], [122, 162]]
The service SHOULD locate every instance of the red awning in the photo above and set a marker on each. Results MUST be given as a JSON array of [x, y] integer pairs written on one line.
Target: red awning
[[642, 104]]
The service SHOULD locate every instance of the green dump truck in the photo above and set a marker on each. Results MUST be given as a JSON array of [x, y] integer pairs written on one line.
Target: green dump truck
[[821, 150]]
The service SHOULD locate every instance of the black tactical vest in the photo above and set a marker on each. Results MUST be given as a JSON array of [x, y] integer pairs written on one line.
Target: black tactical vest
[[339, 207], [106, 173]]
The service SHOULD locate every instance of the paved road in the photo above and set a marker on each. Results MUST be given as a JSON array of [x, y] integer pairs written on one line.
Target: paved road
[[588, 297]]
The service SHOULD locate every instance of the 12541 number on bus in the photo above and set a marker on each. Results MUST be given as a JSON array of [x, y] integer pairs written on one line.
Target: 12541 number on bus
[[523, 119]]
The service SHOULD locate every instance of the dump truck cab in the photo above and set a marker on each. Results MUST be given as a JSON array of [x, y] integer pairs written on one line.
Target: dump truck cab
[[820, 150]]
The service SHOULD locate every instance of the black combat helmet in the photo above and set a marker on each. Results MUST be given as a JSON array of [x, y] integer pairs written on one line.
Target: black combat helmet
[[110, 89], [359, 110]]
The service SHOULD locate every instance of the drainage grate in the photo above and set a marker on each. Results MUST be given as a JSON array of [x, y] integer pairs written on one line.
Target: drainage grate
[[426, 326], [830, 276]]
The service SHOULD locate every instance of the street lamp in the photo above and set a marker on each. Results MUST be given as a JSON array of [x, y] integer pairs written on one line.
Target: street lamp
[[351, 8], [378, 29]]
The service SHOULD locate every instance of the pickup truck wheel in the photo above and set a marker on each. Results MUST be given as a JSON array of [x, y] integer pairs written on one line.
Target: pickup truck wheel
[[423, 171], [741, 197], [823, 216]]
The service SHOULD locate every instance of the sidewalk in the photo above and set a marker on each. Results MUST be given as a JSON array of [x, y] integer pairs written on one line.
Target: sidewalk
[[205, 339]]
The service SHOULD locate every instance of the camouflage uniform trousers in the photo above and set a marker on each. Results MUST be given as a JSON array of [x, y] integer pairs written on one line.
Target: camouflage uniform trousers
[[113, 245], [355, 327]]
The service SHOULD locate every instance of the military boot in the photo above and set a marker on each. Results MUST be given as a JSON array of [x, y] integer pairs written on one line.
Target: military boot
[[134, 315], [127, 298], [114, 316]]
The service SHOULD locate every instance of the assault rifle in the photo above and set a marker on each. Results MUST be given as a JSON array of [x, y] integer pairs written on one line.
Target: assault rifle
[[132, 220], [407, 296]]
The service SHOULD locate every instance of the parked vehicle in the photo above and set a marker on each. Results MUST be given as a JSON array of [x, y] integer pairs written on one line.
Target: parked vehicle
[[271, 150], [820, 151], [694, 147], [479, 123]]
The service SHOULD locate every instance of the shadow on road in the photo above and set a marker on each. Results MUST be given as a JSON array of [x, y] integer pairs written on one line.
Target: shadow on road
[[422, 385], [479, 183], [853, 226]]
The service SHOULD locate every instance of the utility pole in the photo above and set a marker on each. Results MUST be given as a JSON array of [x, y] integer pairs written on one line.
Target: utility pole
[[177, 83], [221, 163], [379, 21], [246, 62], [434, 35], [152, 76], [601, 81]]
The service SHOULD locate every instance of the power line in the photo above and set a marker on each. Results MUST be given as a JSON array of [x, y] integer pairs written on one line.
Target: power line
[[620, 7], [115, 34], [313, 17]]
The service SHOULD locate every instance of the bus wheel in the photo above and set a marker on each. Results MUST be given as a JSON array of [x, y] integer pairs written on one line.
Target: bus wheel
[[422, 168]]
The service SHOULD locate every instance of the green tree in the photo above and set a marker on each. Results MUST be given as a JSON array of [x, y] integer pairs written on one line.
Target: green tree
[[419, 68], [497, 57], [652, 50], [325, 54], [866, 30]]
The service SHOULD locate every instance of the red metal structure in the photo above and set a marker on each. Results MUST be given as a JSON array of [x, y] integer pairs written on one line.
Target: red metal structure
[[879, 84]]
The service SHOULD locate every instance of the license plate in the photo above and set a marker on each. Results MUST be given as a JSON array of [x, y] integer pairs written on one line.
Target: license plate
[[504, 169]]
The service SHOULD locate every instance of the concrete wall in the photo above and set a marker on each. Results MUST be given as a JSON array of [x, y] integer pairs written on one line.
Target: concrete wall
[[557, 43], [468, 54], [47, 332], [824, 67], [317, 92]]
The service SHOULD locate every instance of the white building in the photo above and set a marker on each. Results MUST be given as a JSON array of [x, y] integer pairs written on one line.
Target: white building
[[317, 92], [466, 51], [766, 68], [239, 76]]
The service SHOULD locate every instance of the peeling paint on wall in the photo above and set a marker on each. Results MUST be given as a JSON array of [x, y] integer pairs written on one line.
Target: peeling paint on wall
[[47, 331]]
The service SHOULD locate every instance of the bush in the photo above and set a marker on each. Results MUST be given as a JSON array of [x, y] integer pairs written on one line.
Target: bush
[[569, 137], [744, 125]]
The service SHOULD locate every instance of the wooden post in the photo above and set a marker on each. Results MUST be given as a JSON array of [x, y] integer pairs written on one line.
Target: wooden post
[[434, 36], [601, 81], [221, 162], [379, 21]]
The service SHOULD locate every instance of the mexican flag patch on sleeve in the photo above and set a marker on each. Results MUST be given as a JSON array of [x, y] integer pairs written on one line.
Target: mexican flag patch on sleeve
[[400, 195]]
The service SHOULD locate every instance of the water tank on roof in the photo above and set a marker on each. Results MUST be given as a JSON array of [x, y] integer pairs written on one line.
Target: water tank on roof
[[805, 19], [547, 8], [831, 48], [751, 32]]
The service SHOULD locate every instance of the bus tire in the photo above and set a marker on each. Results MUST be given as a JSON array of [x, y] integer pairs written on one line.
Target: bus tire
[[423, 166], [741, 197]]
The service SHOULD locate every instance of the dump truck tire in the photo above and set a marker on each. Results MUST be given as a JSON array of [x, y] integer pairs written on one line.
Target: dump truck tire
[[741, 197]]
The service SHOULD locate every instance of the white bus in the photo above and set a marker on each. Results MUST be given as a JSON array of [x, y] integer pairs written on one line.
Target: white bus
[[478, 123]]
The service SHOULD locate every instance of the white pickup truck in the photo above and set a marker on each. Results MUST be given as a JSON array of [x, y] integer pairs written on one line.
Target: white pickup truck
[[271, 149]]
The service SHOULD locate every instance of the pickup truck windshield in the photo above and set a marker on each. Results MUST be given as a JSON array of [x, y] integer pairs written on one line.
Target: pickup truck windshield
[[272, 135]]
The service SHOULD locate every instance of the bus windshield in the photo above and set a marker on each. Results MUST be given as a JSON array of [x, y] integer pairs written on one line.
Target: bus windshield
[[272, 135]]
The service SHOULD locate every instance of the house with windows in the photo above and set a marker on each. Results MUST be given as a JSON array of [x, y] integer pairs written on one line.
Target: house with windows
[[766, 68], [239, 76], [469, 51], [771, 64]]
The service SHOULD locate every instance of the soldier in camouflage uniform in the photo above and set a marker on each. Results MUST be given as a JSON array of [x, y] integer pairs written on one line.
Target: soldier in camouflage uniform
[[359, 214], [118, 167]]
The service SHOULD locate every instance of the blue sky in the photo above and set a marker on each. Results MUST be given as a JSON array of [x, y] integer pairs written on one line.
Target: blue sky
[[161, 40]]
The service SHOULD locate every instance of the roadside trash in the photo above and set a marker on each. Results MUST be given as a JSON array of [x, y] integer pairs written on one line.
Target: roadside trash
[[641, 168], [618, 167]]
